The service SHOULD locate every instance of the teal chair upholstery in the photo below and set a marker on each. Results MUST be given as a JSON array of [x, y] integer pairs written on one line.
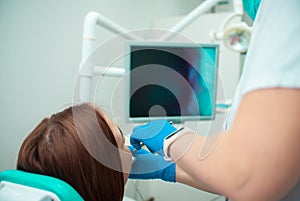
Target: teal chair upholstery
[[61, 189]]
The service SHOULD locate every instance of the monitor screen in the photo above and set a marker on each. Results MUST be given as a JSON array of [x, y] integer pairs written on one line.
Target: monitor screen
[[174, 81]]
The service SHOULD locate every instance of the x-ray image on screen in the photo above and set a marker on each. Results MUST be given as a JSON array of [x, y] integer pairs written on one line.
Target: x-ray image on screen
[[172, 80]]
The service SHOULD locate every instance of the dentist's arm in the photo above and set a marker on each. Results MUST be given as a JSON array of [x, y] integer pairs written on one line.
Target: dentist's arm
[[184, 178], [147, 165], [259, 158]]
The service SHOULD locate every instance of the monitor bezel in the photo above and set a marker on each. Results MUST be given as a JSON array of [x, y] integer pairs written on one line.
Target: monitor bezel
[[175, 119]]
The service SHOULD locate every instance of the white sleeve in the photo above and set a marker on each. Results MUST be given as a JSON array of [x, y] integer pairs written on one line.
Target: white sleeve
[[273, 58]]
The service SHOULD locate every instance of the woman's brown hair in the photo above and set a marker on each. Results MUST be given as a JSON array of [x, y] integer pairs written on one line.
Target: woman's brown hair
[[57, 148]]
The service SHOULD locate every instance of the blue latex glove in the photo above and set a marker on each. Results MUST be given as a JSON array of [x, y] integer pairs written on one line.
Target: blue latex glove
[[150, 166], [152, 135]]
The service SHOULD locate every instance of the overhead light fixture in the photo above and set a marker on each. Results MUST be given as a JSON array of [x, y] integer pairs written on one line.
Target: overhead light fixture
[[235, 36]]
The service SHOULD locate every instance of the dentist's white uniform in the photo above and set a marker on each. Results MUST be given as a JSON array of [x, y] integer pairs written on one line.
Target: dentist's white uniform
[[273, 59]]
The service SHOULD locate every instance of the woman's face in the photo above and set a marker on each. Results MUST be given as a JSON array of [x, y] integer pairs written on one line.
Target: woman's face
[[125, 154]]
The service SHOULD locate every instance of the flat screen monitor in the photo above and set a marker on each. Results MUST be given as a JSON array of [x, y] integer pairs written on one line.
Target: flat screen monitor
[[173, 81]]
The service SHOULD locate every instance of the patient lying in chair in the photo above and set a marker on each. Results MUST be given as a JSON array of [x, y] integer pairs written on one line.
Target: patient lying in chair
[[82, 147]]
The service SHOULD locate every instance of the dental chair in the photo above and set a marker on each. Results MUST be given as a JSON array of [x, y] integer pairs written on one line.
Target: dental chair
[[16, 185]]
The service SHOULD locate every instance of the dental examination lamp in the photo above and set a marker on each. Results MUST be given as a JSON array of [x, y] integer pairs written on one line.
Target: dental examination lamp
[[235, 37]]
